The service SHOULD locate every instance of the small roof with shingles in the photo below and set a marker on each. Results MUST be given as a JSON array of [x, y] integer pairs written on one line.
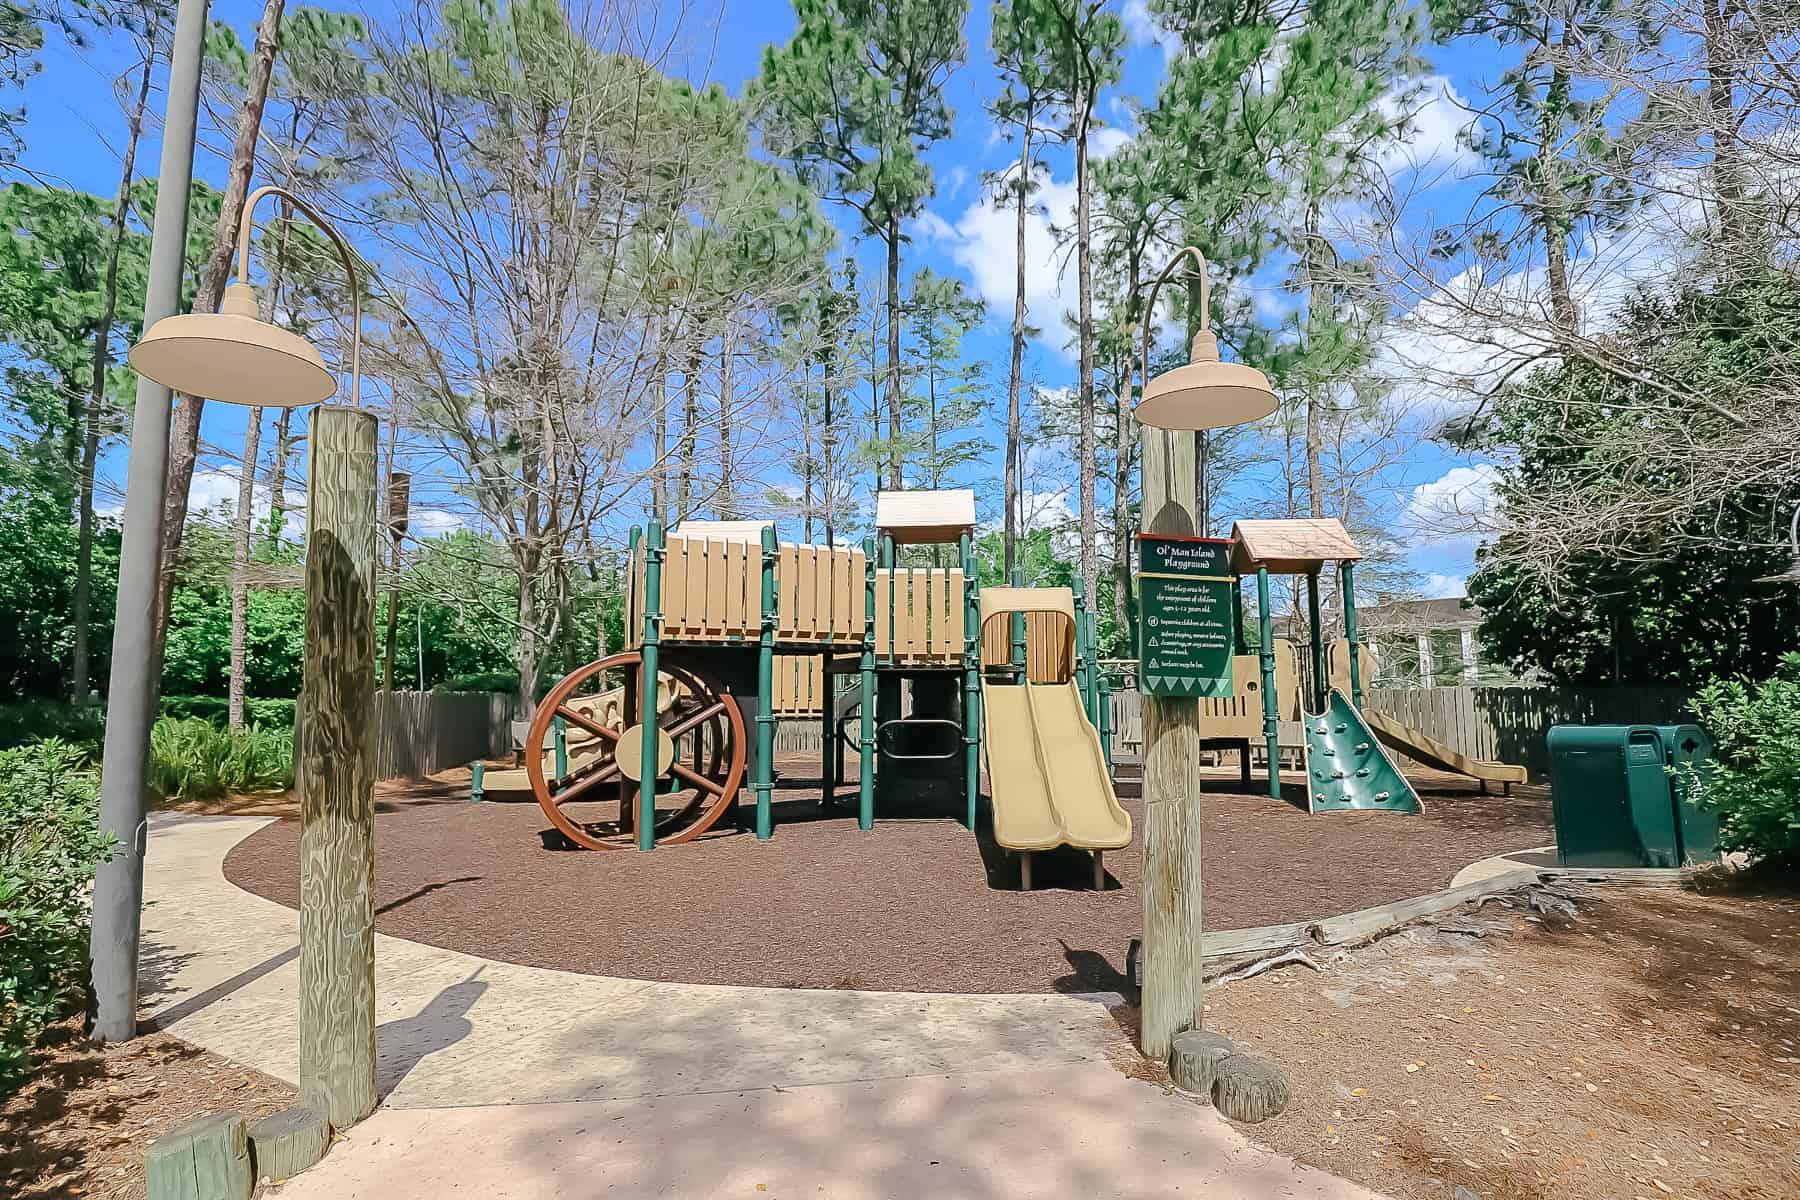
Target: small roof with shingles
[[1298, 546], [730, 531], [925, 516]]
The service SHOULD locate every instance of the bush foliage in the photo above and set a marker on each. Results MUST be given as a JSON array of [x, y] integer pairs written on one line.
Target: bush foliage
[[82, 726], [193, 759], [50, 843], [1755, 783], [260, 710]]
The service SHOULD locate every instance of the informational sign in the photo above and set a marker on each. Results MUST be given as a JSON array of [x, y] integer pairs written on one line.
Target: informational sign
[[1185, 616]]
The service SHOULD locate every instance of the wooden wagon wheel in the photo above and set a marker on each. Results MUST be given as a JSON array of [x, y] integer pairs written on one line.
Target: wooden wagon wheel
[[700, 759]]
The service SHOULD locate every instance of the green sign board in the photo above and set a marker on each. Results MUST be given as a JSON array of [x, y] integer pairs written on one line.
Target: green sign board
[[1185, 616]]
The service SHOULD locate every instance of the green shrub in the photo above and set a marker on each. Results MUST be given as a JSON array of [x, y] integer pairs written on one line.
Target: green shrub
[[194, 759], [82, 726], [262, 710], [50, 843], [1755, 783], [492, 681]]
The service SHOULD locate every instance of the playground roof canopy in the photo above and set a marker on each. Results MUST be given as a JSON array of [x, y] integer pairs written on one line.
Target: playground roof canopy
[[925, 517], [730, 531], [1299, 546]]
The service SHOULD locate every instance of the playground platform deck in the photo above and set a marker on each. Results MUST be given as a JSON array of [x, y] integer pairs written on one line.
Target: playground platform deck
[[914, 905]]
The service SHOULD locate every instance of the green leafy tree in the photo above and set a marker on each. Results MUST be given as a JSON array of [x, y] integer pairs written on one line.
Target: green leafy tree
[[853, 100], [1754, 780], [950, 389], [1658, 586]]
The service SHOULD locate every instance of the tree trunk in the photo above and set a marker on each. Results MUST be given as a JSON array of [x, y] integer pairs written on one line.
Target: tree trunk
[[690, 417], [528, 655], [184, 442], [240, 559], [893, 349], [1084, 267], [1553, 209], [1127, 431], [1733, 218], [659, 476], [826, 444], [242, 519], [1013, 381], [726, 505], [81, 604], [1315, 296], [284, 447]]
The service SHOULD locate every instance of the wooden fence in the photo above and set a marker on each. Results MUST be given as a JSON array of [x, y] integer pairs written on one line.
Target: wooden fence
[[1499, 724], [417, 733]]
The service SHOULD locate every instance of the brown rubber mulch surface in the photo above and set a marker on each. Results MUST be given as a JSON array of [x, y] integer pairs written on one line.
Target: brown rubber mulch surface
[[914, 905]]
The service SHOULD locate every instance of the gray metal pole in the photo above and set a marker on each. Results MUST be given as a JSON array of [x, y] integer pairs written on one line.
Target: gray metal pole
[[119, 884]]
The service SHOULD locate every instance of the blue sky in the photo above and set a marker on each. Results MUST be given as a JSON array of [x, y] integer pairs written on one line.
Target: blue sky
[[74, 131]]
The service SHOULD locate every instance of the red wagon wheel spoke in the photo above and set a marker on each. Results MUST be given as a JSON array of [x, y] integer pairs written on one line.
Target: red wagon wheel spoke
[[697, 779], [586, 783], [595, 806], [689, 723], [594, 727]]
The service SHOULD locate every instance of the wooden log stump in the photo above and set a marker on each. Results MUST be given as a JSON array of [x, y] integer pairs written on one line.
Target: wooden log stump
[[1195, 1057], [206, 1159], [1250, 1089], [284, 1144]]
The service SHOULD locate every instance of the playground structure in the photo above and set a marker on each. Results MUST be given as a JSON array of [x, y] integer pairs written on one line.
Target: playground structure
[[894, 661], [925, 676]]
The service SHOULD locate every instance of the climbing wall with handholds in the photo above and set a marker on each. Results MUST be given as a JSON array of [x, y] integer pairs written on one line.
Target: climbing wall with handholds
[[1346, 768]]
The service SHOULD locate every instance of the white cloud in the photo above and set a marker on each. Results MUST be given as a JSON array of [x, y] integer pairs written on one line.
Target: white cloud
[[216, 491], [1445, 587], [1143, 30], [981, 242], [1438, 114], [1460, 503], [1107, 141], [433, 522]]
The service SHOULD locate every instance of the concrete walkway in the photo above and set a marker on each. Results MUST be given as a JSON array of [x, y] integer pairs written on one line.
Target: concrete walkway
[[501, 1080]]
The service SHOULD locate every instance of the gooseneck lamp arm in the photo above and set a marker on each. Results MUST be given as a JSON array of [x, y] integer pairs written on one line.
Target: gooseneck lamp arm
[[344, 256], [1163, 277]]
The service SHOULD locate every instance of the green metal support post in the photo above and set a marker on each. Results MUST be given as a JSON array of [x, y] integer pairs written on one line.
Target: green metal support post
[[1106, 725], [1348, 592], [971, 677], [829, 742], [1094, 677], [475, 789], [1266, 651], [1018, 629], [653, 559], [562, 747], [765, 690], [865, 774], [1081, 649], [1318, 641]]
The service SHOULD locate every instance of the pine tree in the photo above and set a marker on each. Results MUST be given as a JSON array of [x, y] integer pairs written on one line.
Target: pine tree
[[853, 100]]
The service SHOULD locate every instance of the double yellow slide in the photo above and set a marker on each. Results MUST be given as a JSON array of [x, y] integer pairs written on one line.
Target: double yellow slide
[[1047, 775]]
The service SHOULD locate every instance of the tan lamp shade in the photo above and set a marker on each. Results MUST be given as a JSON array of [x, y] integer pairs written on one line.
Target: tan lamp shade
[[234, 357]]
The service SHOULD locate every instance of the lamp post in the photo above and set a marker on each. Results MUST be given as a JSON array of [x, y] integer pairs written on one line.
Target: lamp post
[[1204, 394], [233, 356], [119, 882]]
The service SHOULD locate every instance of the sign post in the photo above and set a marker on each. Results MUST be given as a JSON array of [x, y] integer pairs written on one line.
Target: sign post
[[1185, 623]]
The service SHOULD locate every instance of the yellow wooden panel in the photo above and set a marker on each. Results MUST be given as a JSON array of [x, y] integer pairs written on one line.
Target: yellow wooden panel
[[853, 596], [786, 568], [823, 563], [737, 568], [806, 593], [693, 616], [934, 614], [883, 606], [674, 585]]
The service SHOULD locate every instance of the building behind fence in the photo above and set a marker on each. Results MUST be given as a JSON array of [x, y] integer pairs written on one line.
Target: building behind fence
[[1498, 724]]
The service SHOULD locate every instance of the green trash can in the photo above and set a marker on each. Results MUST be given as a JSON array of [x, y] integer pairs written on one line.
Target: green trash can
[[1698, 826], [1612, 798]]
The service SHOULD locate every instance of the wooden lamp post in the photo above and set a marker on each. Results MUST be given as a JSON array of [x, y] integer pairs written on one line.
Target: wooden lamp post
[[233, 356], [1205, 394]]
